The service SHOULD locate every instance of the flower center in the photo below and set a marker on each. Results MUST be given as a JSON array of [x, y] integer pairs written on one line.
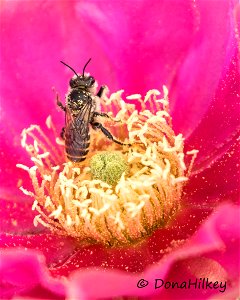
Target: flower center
[[119, 194], [108, 167]]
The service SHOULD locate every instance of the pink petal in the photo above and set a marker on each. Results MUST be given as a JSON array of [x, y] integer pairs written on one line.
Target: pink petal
[[161, 39], [228, 228], [17, 215], [136, 258], [229, 294], [237, 18], [56, 249], [25, 270], [29, 47], [219, 128], [218, 233], [163, 47], [220, 182], [154, 37], [211, 51], [11, 153], [187, 221], [131, 259], [37, 293]]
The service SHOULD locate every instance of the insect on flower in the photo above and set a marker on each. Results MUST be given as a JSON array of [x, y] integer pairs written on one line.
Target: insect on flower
[[80, 112]]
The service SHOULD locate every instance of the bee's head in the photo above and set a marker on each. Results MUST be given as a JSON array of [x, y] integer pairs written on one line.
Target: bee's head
[[81, 81]]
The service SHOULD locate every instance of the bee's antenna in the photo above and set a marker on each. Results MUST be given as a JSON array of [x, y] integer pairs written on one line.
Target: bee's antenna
[[69, 67], [86, 65]]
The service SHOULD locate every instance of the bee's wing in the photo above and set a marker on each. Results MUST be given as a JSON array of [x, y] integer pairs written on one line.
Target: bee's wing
[[77, 127], [83, 118]]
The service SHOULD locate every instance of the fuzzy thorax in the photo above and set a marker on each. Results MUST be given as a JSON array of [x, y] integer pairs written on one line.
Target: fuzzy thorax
[[119, 194]]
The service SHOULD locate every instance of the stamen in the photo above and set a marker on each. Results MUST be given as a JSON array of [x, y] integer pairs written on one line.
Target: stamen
[[133, 97], [119, 194], [23, 167]]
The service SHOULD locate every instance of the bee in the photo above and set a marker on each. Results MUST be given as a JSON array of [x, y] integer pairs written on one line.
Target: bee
[[80, 112]]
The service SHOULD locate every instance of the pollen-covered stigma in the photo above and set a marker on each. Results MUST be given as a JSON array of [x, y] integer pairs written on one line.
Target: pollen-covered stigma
[[119, 194]]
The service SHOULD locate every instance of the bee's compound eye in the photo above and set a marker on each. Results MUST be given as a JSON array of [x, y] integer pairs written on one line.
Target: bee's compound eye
[[73, 82], [92, 80]]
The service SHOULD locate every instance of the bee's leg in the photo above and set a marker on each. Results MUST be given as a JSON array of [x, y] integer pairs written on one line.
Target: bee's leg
[[105, 115], [59, 103], [100, 92], [62, 134], [96, 125], [101, 114]]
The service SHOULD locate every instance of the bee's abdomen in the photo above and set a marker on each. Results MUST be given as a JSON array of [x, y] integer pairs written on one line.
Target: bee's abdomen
[[77, 152], [77, 146]]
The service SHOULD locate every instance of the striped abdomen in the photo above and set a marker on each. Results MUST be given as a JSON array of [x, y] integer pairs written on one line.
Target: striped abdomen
[[77, 140]]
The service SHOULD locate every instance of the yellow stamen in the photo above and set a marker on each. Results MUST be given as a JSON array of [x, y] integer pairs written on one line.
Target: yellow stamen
[[116, 197]]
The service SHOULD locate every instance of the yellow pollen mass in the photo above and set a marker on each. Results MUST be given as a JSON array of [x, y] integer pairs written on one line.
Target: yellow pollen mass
[[120, 194], [108, 167]]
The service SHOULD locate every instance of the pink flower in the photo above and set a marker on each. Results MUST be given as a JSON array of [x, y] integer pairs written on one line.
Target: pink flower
[[191, 47]]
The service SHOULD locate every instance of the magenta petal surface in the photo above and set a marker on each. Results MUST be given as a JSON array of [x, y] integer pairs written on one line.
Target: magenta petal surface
[[17, 216], [136, 258], [24, 270], [56, 249], [215, 237], [165, 48], [130, 259], [220, 126], [217, 183], [211, 51], [190, 46]]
